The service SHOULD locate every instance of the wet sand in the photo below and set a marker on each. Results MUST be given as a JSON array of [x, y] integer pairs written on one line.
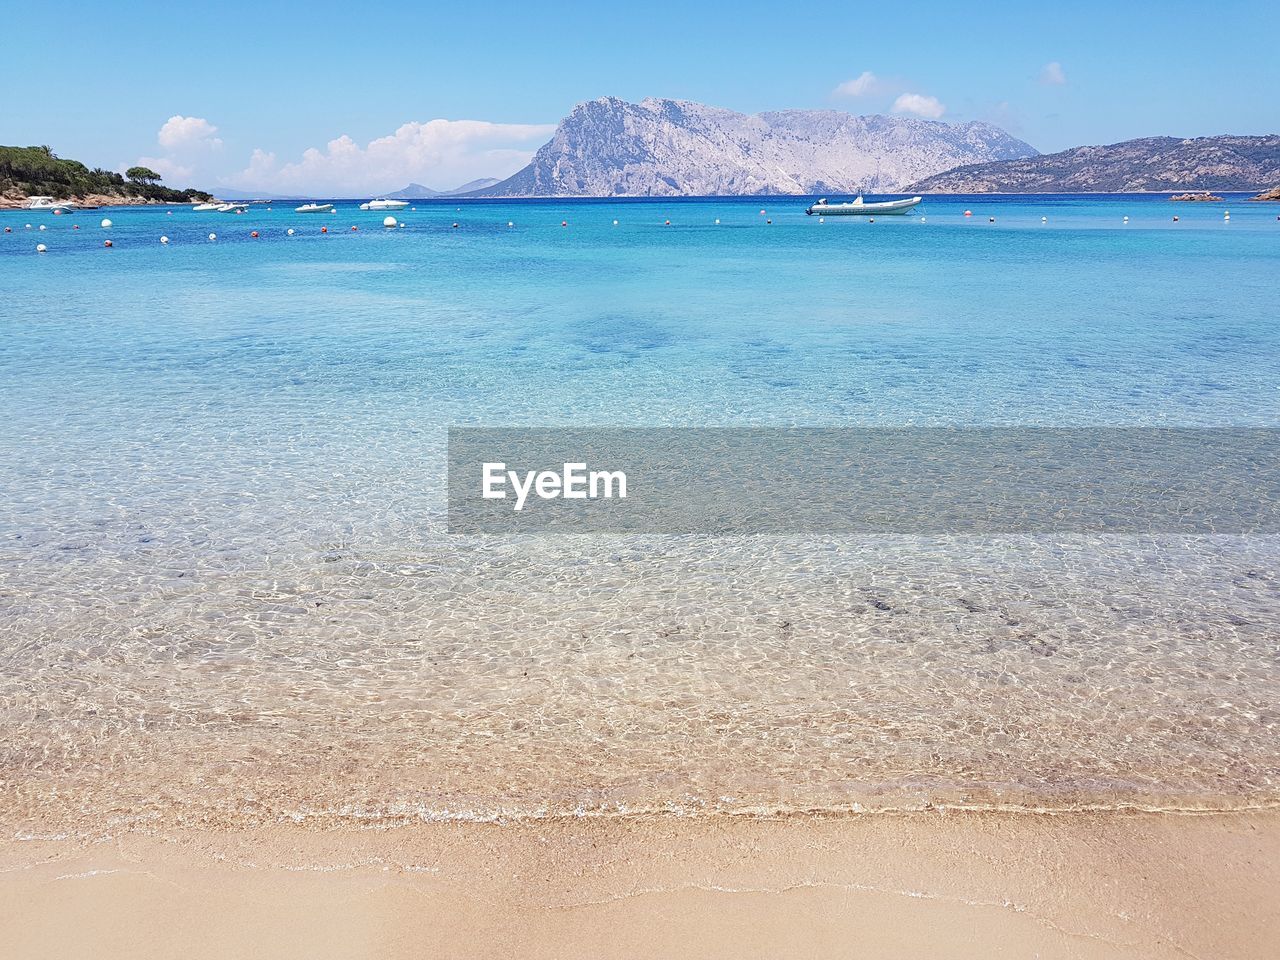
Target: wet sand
[[938, 884]]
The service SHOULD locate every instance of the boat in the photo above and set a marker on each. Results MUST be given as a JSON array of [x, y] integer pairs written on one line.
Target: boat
[[48, 203], [860, 208], [314, 208], [226, 207], [382, 203], [201, 207]]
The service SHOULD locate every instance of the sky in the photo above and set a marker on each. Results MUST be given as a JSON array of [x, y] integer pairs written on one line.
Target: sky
[[355, 99]]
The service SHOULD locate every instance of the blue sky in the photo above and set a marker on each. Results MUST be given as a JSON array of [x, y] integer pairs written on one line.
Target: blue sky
[[236, 95]]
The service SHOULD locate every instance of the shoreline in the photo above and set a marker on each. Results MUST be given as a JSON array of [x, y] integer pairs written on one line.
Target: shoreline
[[937, 884]]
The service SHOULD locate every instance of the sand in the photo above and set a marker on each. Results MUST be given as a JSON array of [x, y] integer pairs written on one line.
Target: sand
[[941, 884]]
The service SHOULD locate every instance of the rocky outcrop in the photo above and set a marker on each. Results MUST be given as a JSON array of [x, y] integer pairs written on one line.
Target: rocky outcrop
[[609, 147], [1194, 197], [1272, 194], [1152, 164]]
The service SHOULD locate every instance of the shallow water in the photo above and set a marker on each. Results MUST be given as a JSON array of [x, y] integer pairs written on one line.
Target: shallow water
[[226, 589]]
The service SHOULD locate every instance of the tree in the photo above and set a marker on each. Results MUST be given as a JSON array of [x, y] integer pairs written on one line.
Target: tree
[[143, 175]]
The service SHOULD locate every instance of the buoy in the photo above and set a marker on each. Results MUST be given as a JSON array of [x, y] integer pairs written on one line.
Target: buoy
[[388, 221], [455, 225], [75, 226], [511, 223], [354, 227], [873, 219], [164, 239], [106, 243], [762, 213], [1044, 219], [768, 221], [213, 236], [968, 213], [991, 219], [822, 219], [43, 227], [717, 221], [564, 223], [401, 224], [324, 229], [615, 223], [413, 208], [106, 223], [8, 229], [57, 213], [253, 233], [291, 231], [41, 248], [1126, 219], [1226, 215], [170, 212], [1175, 219], [28, 226]]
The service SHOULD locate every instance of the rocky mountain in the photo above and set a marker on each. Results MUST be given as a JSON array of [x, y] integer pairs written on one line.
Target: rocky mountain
[[416, 191], [609, 147], [1150, 164]]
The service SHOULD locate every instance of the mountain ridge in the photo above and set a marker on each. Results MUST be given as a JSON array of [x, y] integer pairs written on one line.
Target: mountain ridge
[[661, 147], [1145, 164]]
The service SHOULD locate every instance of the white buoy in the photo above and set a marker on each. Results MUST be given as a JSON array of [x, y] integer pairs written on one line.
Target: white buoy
[[213, 236], [822, 219], [717, 221], [615, 223], [43, 227], [401, 224], [41, 248], [389, 221], [105, 223], [1044, 219], [291, 231], [164, 239], [1126, 219], [922, 219], [28, 226], [1226, 215], [511, 223]]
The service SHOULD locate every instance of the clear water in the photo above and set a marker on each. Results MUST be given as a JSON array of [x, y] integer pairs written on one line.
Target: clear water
[[226, 591]]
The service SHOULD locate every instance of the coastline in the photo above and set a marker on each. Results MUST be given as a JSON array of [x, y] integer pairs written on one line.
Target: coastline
[[938, 884]]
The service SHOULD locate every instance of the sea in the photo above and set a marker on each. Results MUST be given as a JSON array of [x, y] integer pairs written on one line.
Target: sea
[[229, 592]]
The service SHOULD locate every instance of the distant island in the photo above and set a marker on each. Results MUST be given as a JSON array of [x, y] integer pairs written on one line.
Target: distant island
[[669, 148], [1151, 164], [27, 172], [416, 191]]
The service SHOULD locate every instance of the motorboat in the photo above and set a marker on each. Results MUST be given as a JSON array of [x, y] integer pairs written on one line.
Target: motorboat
[[202, 207], [384, 204], [314, 208], [48, 203], [860, 208]]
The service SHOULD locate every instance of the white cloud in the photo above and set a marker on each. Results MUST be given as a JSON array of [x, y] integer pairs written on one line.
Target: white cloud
[[181, 132], [439, 153], [1052, 75], [920, 105], [864, 84]]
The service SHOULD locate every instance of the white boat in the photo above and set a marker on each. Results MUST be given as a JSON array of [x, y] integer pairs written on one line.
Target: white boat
[[48, 203], [314, 208], [201, 207], [860, 208], [226, 207], [384, 204]]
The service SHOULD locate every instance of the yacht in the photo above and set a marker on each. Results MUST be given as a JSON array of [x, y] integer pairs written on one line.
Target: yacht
[[48, 203], [314, 208], [383, 203]]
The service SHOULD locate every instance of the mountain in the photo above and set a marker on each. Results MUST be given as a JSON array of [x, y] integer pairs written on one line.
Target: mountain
[[609, 147], [416, 191], [1151, 164]]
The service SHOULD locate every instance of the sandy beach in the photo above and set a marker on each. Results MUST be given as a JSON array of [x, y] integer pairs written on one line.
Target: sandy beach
[[939, 884]]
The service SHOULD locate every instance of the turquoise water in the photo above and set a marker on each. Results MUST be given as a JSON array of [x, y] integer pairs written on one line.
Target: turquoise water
[[225, 569]]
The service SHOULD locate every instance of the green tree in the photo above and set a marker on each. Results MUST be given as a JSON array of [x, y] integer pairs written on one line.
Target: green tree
[[142, 175]]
